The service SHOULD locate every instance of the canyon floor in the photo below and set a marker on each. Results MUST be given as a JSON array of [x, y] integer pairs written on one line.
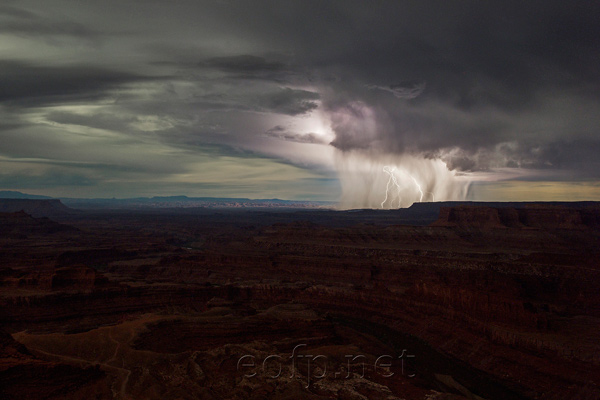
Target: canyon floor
[[478, 302]]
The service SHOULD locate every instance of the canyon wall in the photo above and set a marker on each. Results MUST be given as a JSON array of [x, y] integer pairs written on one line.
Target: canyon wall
[[498, 298]]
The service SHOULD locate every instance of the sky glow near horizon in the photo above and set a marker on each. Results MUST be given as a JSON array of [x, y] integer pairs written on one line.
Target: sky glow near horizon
[[305, 100]]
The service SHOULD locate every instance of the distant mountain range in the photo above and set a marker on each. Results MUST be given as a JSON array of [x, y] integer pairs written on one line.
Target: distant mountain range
[[173, 202], [418, 213]]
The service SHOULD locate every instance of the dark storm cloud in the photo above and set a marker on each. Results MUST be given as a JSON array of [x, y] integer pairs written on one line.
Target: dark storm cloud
[[244, 64], [34, 28], [16, 12], [568, 156], [46, 180], [481, 85], [289, 101], [26, 84], [579, 155], [496, 73], [402, 90], [276, 100], [21, 22], [280, 132], [229, 95], [459, 47], [247, 66], [100, 121]]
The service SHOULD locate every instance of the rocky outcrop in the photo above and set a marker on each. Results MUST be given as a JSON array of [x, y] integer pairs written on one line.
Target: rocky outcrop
[[530, 216], [470, 217], [21, 224], [552, 217]]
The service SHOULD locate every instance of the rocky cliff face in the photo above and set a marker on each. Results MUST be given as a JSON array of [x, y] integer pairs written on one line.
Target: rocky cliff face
[[530, 216], [470, 217], [21, 224]]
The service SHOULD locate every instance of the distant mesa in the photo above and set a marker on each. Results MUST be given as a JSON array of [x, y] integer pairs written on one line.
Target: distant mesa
[[36, 207], [165, 202], [528, 216], [182, 202]]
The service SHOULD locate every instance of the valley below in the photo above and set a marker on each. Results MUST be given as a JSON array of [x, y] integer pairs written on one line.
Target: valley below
[[462, 301]]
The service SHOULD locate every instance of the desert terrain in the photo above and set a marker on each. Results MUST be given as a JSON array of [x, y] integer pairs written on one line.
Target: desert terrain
[[447, 301]]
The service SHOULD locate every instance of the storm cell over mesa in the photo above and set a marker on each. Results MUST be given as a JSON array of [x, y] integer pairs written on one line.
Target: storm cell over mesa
[[366, 104]]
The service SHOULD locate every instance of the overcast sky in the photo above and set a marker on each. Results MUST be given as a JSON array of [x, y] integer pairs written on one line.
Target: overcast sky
[[259, 98]]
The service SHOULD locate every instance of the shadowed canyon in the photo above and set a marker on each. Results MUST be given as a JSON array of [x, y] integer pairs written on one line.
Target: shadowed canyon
[[438, 301]]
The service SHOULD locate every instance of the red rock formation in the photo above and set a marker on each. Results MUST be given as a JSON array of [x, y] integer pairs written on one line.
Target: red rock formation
[[469, 217], [503, 302], [551, 217], [531, 216]]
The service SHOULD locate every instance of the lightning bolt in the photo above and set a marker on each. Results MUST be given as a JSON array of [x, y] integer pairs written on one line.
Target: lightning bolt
[[393, 183], [418, 187], [397, 189], [390, 171], [387, 188]]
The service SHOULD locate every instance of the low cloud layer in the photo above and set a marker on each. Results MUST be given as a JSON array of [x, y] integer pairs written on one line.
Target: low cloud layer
[[174, 97]]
